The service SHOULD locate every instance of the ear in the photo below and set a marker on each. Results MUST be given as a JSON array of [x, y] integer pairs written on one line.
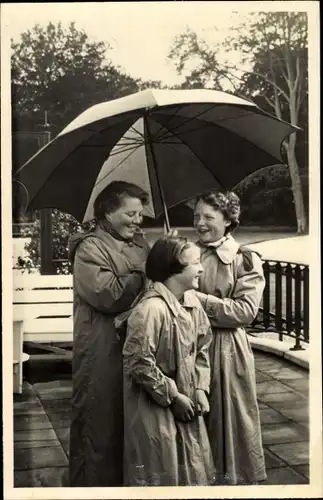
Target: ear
[[227, 223]]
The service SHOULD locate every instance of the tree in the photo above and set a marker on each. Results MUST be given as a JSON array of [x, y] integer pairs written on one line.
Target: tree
[[197, 62], [150, 84], [278, 44], [275, 46], [62, 72]]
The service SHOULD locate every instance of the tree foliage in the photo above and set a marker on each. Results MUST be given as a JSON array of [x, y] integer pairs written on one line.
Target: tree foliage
[[61, 71]]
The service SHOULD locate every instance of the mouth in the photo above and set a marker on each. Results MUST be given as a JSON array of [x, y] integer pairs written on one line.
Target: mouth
[[203, 232]]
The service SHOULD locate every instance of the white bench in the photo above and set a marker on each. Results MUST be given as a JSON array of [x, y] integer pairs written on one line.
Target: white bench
[[42, 315]]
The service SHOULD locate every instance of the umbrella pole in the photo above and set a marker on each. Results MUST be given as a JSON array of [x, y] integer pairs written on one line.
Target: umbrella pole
[[150, 142]]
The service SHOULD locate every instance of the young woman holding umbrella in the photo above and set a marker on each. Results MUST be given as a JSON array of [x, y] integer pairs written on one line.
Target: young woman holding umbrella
[[231, 288], [167, 374], [108, 265]]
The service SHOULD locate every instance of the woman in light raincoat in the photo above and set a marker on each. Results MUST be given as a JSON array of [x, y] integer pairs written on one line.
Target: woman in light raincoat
[[108, 275], [167, 374], [232, 286]]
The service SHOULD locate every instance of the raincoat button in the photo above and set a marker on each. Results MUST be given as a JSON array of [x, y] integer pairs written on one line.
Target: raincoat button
[[130, 243]]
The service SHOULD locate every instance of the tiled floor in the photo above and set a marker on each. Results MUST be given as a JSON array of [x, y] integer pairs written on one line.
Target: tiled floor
[[42, 416]]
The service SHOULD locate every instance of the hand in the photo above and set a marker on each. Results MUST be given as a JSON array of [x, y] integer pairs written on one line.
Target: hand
[[203, 406], [173, 233], [183, 408]]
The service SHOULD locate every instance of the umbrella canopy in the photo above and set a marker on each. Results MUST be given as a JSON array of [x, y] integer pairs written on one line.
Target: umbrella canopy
[[173, 143]]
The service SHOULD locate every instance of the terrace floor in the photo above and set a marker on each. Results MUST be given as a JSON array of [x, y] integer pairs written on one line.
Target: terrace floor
[[42, 417]]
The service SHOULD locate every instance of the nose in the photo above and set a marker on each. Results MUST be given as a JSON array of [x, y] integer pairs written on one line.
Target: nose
[[199, 222], [137, 219], [200, 269]]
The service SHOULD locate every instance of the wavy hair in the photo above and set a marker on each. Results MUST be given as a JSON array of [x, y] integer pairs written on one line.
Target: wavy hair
[[227, 202], [111, 197]]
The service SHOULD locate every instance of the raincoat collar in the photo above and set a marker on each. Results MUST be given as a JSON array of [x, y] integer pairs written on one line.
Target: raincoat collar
[[189, 298], [101, 232], [226, 251]]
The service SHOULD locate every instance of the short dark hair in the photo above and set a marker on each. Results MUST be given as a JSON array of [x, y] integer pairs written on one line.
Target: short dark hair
[[164, 258], [227, 202], [112, 195]]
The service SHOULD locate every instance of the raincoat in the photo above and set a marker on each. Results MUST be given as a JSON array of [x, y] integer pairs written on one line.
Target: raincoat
[[233, 283], [165, 352], [108, 274]]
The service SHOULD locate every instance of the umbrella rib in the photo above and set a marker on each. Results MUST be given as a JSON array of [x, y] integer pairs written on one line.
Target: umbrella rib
[[137, 132], [118, 165], [184, 123], [169, 119], [125, 149]]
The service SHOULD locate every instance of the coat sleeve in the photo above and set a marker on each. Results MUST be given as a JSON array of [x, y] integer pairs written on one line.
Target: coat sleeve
[[98, 285], [242, 308], [139, 351], [202, 363]]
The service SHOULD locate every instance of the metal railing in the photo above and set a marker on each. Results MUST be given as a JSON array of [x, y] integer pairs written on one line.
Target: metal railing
[[285, 303]]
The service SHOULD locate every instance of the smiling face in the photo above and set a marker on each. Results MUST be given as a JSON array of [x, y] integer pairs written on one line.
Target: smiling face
[[127, 218], [209, 222], [189, 277]]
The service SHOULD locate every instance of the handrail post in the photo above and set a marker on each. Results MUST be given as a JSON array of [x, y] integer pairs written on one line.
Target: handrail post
[[298, 281]]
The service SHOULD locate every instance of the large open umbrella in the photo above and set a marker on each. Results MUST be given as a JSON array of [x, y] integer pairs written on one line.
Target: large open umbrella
[[174, 143]]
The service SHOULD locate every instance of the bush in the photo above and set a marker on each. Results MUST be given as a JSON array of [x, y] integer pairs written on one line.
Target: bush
[[63, 226]]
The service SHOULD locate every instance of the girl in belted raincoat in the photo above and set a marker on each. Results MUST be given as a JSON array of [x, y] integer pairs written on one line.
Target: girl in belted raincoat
[[167, 374], [232, 285]]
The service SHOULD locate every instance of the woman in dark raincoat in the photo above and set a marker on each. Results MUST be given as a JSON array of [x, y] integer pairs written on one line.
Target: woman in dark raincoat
[[232, 286], [108, 265], [167, 374]]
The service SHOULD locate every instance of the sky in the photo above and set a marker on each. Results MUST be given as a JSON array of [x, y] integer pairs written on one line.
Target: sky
[[141, 33]]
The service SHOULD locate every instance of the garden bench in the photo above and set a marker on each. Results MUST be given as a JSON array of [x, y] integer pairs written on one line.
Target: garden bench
[[42, 316]]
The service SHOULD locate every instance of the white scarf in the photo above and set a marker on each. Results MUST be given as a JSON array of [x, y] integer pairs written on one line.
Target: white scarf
[[216, 244]]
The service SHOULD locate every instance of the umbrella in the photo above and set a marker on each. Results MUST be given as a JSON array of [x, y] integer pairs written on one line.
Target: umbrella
[[173, 143]]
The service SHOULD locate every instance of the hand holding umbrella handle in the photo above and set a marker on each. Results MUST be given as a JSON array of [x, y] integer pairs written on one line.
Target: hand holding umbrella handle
[[170, 233]]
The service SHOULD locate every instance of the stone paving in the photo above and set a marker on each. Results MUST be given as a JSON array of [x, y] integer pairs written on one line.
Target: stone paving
[[42, 417]]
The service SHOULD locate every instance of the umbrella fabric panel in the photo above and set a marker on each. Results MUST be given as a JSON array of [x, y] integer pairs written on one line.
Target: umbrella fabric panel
[[249, 123], [136, 103], [225, 154], [69, 185], [182, 175], [148, 99], [207, 112], [39, 168], [164, 97], [126, 162]]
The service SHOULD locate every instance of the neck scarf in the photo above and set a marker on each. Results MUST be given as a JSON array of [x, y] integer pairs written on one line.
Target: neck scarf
[[216, 244]]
